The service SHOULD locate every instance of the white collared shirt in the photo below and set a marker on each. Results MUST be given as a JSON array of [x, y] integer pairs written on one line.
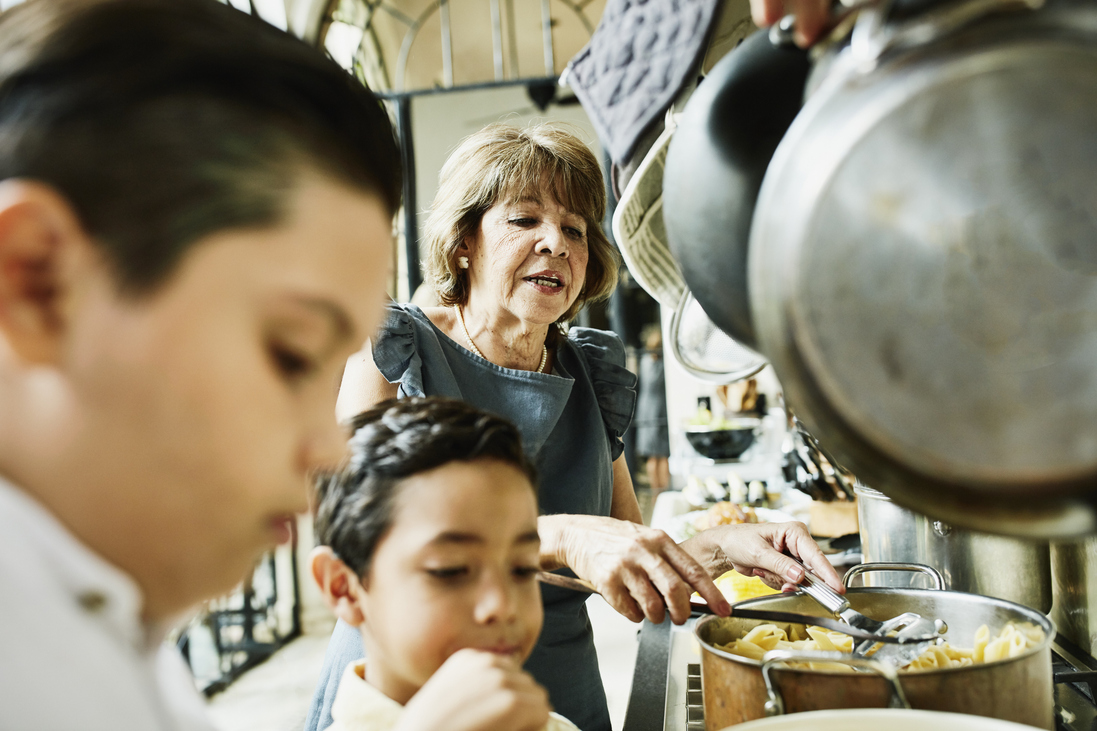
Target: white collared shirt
[[359, 706], [74, 651]]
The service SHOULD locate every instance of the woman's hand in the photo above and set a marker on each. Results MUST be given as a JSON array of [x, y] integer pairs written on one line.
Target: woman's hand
[[763, 550], [477, 691], [640, 571], [812, 16]]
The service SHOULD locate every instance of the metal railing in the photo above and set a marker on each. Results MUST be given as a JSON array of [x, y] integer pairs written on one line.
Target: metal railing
[[239, 631], [362, 14]]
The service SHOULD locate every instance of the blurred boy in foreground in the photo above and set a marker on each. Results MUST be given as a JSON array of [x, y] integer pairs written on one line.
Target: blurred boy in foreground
[[195, 220]]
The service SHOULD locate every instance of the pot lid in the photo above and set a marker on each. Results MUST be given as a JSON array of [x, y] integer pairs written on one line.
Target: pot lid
[[706, 351]]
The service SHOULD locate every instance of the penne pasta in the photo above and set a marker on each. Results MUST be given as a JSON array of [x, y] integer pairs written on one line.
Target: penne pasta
[[1011, 641]]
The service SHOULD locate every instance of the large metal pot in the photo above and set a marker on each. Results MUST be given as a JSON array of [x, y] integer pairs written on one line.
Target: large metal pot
[[922, 273], [1074, 581], [1018, 690], [1014, 569]]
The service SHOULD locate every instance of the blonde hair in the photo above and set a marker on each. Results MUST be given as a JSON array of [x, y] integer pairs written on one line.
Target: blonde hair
[[501, 162]]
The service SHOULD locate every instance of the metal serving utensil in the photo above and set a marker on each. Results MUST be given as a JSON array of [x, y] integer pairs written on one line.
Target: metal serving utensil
[[914, 633], [700, 605]]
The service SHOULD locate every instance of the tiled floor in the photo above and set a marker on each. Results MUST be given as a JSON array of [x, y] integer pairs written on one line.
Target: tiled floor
[[273, 696]]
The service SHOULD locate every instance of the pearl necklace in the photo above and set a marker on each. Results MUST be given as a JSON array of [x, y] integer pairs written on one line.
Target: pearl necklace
[[461, 319]]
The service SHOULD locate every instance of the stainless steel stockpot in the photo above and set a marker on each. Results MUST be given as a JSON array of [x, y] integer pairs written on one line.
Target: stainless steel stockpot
[[1018, 689], [1074, 582], [1015, 569]]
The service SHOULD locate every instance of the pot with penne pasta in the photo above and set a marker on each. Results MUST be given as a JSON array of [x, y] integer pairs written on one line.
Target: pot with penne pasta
[[994, 660]]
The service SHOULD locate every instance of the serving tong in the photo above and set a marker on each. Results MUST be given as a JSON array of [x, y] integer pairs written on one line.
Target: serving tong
[[913, 633], [698, 604]]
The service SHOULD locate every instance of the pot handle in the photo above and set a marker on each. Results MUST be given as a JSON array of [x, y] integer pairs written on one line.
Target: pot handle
[[919, 568], [775, 704]]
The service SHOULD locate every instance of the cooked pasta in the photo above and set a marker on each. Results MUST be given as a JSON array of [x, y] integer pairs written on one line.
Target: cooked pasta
[[1014, 639]]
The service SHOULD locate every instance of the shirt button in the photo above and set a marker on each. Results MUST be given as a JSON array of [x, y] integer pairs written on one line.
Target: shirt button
[[92, 601]]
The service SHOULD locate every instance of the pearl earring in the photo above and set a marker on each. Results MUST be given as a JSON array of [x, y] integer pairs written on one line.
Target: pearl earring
[[462, 262]]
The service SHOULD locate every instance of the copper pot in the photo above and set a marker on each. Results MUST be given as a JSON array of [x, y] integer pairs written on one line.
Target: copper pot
[[1018, 689]]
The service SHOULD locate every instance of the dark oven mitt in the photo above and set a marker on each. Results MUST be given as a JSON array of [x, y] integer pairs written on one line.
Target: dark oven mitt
[[640, 55]]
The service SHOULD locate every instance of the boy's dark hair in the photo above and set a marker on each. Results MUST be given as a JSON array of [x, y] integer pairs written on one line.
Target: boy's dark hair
[[392, 442], [164, 121]]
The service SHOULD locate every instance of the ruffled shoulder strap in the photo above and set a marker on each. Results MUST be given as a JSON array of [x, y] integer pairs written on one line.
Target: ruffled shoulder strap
[[395, 352], [614, 385]]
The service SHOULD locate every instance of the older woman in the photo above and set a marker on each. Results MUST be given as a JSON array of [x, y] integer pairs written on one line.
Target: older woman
[[515, 249]]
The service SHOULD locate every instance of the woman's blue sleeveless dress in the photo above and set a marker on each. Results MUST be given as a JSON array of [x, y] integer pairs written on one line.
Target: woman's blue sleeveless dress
[[571, 423]]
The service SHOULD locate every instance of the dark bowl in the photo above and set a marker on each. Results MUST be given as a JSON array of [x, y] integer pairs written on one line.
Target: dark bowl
[[725, 442]]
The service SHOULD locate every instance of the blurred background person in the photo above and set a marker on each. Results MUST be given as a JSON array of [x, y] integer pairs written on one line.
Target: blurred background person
[[652, 437]]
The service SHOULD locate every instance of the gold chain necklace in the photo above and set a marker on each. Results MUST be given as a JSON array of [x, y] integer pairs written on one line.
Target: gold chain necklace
[[461, 319]]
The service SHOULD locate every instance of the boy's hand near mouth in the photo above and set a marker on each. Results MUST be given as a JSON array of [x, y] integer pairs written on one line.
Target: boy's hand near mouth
[[476, 690]]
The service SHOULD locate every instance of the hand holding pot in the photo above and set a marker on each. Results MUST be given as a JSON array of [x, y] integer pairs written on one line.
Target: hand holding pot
[[763, 550], [812, 16]]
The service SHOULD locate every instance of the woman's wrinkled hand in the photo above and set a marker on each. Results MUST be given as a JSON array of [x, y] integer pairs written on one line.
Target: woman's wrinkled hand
[[477, 691], [812, 16], [764, 550], [640, 571]]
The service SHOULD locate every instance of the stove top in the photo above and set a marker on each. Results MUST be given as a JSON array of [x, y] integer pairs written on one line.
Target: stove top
[[1075, 679], [671, 700]]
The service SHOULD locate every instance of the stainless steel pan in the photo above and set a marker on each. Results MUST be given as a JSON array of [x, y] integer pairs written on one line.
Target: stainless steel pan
[[921, 269]]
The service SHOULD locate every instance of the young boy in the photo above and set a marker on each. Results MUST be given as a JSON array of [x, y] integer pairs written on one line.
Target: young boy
[[429, 547], [195, 220]]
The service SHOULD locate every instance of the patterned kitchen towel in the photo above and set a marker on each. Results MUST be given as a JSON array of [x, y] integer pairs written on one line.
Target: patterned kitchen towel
[[641, 53]]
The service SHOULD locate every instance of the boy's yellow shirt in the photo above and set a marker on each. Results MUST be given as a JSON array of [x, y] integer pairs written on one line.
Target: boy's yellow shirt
[[359, 706]]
